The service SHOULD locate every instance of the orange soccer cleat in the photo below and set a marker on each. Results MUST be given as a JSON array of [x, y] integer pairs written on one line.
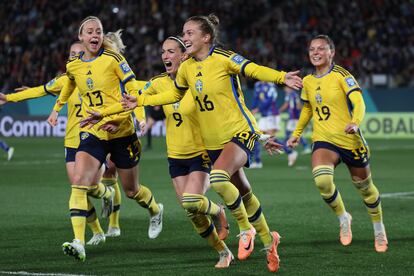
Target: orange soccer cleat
[[246, 243]]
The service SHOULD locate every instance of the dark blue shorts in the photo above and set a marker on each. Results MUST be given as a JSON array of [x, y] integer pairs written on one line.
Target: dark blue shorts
[[125, 151], [70, 154], [181, 167], [358, 157], [245, 140]]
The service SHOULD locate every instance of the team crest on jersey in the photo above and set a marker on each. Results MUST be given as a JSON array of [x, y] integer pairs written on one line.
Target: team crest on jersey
[[350, 82], [50, 83], [124, 67], [89, 83], [199, 86], [318, 98], [176, 105], [84, 135], [238, 59]]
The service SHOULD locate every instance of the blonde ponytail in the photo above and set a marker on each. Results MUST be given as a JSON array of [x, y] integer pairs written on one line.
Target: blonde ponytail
[[113, 41]]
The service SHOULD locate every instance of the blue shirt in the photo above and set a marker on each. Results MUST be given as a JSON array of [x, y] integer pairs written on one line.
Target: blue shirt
[[265, 95]]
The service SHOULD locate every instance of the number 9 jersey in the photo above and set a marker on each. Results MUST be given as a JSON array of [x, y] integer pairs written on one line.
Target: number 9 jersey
[[101, 83], [328, 96]]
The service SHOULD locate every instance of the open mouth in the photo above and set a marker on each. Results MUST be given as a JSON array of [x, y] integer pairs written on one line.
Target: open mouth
[[168, 64], [188, 45], [94, 42]]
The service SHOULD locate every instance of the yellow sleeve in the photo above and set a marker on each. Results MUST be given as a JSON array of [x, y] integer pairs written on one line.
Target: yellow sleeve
[[30, 93], [304, 118], [358, 103], [166, 97], [65, 94], [238, 64], [264, 73], [140, 114]]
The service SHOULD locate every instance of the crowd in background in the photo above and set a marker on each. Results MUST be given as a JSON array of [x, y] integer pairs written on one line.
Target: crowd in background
[[371, 37]]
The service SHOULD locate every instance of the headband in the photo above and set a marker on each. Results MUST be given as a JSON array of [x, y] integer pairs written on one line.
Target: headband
[[178, 40]]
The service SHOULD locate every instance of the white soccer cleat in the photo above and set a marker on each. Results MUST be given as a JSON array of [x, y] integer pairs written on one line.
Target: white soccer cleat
[[97, 239], [75, 249], [256, 165], [226, 259], [307, 150], [10, 153], [113, 232], [155, 226], [292, 157], [345, 232], [108, 204]]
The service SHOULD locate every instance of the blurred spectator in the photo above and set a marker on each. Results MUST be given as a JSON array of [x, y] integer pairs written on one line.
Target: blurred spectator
[[374, 36]]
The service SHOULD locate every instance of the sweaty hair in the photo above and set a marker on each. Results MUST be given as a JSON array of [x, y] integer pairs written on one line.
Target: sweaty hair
[[208, 25], [113, 41], [327, 39], [179, 41]]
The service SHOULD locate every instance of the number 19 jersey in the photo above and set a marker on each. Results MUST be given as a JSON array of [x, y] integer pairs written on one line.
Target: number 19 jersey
[[331, 108]]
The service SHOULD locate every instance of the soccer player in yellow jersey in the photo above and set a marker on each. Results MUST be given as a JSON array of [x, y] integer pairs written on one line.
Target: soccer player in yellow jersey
[[228, 128], [101, 74], [71, 143], [333, 98], [189, 163]]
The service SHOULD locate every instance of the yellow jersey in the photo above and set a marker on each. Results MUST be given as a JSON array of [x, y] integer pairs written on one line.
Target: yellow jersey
[[328, 96], [54, 87], [183, 130], [215, 87], [101, 82]]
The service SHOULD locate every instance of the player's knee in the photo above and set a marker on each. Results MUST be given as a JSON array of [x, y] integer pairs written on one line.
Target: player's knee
[[191, 202], [218, 180], [366, 187], [323, 177], [131, 193]]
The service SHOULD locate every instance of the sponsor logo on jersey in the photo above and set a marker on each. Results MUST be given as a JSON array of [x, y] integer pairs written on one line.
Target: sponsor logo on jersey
[[89, 83], [124, 67], [199, 86], [50, 83], [350, 82], [238, 59], [84, 135]]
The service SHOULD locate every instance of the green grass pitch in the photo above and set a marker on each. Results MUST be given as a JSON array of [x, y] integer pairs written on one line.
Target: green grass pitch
[[34, 219]]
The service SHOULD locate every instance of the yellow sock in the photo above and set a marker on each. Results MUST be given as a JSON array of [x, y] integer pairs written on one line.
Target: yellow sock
[[323, 176], [256, 218], [92, 219], [205, 229], [220, 182], [78, 206], [99, 191], [371, 198], [114, 217], [145, 198], [196, 203]]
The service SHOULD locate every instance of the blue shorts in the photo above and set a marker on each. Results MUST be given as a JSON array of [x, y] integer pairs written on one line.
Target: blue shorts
[[181, 167], [125, 151], [358, 158], [245, 140], [70, 154]]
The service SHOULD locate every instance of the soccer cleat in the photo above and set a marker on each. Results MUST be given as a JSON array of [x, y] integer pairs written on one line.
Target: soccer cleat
[[307, 150], [221, 224], [75, 249], [10, 153], [155, 226], [113, 232], [292, 157], [108, 204], [256, 165], [97, 239], [246, 243], [271, 253], [226, 259], [345, 233], [381, 242]]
